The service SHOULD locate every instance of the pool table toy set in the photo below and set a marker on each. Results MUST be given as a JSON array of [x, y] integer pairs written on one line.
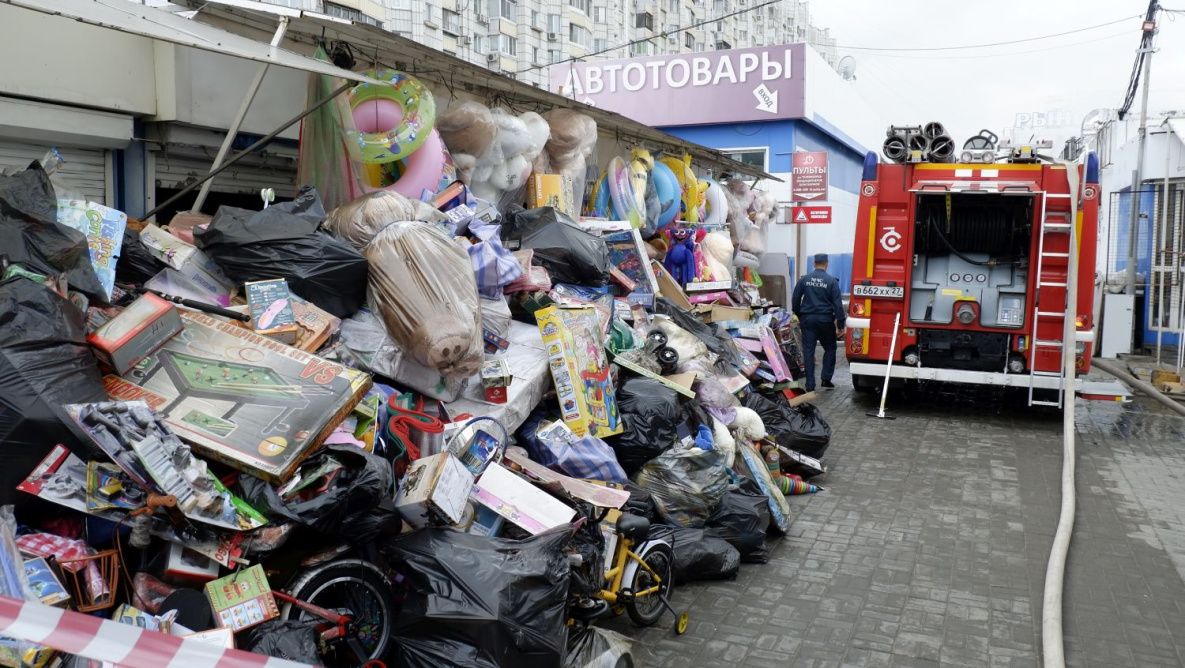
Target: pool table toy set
[[252, 403]]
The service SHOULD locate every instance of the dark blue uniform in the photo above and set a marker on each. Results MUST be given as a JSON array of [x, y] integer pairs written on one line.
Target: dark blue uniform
[[819, 308]]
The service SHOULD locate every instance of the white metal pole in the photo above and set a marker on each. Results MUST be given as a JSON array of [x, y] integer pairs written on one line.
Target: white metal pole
[[1137, 176], [233, 130], [889, 366], [1165, 233]]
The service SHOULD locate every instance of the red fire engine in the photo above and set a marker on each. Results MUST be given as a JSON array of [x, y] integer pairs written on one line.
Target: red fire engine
[[973, 257]]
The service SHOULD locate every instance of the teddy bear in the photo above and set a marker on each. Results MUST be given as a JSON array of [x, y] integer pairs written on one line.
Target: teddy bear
[[467, 129]]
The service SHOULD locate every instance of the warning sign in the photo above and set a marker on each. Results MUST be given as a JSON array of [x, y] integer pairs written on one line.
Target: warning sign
[[805, 215], [809, 176]]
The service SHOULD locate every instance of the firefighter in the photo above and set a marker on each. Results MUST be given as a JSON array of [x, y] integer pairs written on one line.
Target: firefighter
[[821, 316]]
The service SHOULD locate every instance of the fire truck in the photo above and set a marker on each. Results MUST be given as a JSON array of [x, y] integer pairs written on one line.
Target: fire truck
[[971, 258]]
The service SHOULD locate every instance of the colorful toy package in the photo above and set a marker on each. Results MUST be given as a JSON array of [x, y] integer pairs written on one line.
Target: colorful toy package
[[580, 369], [103, 227]]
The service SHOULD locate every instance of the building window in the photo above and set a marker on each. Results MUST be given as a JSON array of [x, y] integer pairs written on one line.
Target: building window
[[553, 23], [506, 9], [579, 35], [479, 6], [583, 5], [721, 45], [642, 49], [536, 20], [508, 45], [348, 13], [600, 45], [452, 22], [742, 36], [598, 14], [644, 20], [479, 43], [554, 56], [689, 40], [674, 6], [753, 157]]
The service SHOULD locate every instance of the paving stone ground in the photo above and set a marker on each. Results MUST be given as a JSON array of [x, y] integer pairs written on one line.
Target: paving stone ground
[[929, 546]]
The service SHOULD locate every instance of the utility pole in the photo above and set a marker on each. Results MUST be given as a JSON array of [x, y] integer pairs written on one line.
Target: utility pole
[[1137, 174]]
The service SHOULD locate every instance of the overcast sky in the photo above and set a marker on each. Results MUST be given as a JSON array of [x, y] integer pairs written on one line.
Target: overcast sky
[[970, 89]]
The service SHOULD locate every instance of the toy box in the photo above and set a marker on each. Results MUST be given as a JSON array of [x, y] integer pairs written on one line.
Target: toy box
[[240, 398], [435, 491], [189, 567], [576, 356], [191, 267], [520, 502], [243, 599], [554, 190], [103, 228], [137, 332], [45, 584], [271, 309], [495, 379]]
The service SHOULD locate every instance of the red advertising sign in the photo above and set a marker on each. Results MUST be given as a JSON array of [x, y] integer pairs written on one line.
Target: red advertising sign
[[804, 215], [809, 176]]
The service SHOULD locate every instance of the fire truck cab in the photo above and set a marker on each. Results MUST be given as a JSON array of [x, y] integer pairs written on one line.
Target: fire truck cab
[[973, 258]]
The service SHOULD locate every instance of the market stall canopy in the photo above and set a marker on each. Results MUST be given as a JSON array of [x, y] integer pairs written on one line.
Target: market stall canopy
[[386, 49], [136, 19]]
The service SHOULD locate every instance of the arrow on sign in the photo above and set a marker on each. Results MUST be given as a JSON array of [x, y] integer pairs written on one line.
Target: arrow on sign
[[767, 100]]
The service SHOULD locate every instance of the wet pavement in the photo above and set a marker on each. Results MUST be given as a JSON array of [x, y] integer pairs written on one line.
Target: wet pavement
[[929, 546]]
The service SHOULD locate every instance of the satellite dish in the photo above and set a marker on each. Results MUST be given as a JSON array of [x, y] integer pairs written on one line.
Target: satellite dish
[[847, 67]]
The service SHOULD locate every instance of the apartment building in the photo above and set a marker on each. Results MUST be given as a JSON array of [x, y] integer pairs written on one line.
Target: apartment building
[[521, 38]]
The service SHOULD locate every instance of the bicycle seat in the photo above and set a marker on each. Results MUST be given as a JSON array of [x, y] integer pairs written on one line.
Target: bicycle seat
[[634, 527]]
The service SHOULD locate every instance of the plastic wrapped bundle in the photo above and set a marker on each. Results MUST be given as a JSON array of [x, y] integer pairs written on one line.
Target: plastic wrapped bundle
[[686, 485], [424, 290], [360, 220]]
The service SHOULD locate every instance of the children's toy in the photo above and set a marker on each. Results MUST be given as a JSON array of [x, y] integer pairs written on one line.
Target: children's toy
[[680, 260]]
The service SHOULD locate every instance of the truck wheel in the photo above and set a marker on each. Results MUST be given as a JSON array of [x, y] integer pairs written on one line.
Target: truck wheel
[[863, 383]]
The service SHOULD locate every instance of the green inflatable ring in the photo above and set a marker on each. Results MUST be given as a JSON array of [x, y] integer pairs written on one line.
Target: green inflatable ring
[[419, 116]]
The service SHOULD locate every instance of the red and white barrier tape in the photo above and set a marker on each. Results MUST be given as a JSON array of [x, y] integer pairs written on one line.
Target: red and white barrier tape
[[121, 644]]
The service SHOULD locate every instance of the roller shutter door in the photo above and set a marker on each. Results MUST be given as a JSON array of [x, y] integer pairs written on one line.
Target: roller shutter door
[[85, 168], [177, 168]]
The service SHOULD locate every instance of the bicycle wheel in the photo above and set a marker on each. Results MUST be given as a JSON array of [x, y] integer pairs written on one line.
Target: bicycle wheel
[[645, 610], [353, 587]]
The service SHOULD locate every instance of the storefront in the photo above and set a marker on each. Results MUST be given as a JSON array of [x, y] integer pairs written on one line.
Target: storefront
[[759, 106]]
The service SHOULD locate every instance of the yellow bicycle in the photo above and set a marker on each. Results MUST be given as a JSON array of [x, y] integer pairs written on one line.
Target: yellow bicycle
[[639, 580]]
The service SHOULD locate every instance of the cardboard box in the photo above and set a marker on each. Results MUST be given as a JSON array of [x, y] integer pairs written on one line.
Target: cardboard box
[[103, 228], [495, 379], [718, 313], [191, 264], [243, 599], [187, 566], [554, 190], [140, 330], [1161, 376], [271, 309], [249, 402], [45, 583], [520, 502], [669, 287], [580, 370], [434, 491]]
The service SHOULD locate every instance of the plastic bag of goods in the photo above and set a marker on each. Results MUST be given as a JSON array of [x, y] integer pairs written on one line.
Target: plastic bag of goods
[[701, 554], [685, 484], [285, 241], [552, 443], [480, 602], [800, 427], [650, 415], [594, 647], [742, 519], [568, 253]]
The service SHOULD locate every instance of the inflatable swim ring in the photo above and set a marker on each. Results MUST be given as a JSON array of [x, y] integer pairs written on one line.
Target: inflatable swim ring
[[599, 203], [426, 169], [669, 193], [688, 186], [392, 121], [621, 193]]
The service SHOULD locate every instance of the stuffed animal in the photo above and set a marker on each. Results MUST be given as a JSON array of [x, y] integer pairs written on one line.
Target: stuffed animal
[[359, 221], [500, 174], [468, 130], [680, 260], [725, 444], [570, 145], [747, 426], [764, 209], [717, 253]]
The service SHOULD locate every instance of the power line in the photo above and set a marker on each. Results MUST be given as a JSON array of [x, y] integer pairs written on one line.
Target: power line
[[667, 33], [1133, 83], [984, 46], [1010, 53]]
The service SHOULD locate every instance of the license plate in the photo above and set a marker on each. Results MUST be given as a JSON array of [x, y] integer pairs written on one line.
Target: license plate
[[882, 291]]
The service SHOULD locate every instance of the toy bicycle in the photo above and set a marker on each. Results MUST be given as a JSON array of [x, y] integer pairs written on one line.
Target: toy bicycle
[[639, 581]]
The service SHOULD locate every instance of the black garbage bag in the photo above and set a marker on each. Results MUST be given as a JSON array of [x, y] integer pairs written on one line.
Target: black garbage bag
[[715, 337], [569, 254], [594, 647], [800, 427], [44, 363], [480, 602], [31, 235], [701, 554], [357, 505], [651, 416], [284, 241], [284, 639], [686, 485], [742, 519], [589, 542], [136, 264], [640, 503]]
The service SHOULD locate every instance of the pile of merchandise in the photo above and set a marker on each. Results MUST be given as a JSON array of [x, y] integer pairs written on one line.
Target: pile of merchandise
[[428, 425]]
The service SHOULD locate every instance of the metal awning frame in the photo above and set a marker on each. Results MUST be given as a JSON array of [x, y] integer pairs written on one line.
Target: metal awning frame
[[378, 48]]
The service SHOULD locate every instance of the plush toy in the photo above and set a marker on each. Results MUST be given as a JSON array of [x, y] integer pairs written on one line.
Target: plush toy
[[359, 221], [468, 130], [680, 260], [724, 442], [748, 426], [764, 209], [500, 174], [717, 253], [570, 145]]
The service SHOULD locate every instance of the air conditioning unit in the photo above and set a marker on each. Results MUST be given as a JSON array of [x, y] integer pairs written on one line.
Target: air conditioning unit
[[553, 37], [483, 19], [493, 56], [468, 39]]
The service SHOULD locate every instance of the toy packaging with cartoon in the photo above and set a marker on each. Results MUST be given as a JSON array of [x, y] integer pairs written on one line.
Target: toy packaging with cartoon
[[580, 369]]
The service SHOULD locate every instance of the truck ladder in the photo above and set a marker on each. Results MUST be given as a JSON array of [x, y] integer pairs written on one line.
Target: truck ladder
[[1051, 223]]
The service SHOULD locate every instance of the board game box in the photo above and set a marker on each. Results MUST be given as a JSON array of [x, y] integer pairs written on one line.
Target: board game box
[[243, 399], [243, 599]]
